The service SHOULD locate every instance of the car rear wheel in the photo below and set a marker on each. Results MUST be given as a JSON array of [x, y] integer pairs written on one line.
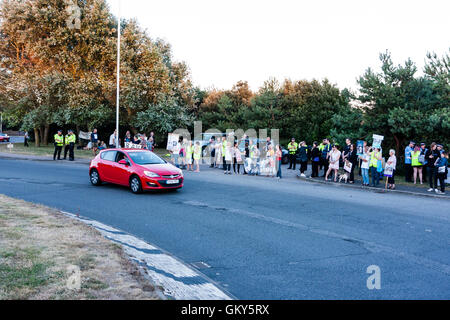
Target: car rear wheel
[[95, 178], [135, 185]]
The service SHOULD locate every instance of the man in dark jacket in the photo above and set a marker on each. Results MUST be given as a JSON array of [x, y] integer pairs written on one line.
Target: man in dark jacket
[[431, 156], [303, 153]]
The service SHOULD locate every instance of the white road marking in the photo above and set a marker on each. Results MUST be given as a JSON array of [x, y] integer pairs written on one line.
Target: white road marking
[[178, 280]]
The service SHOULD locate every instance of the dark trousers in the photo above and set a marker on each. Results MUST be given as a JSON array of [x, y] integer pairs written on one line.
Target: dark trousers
[[375, 176], [352, 173], [315, 169], [224, 163], [303, 166], [325, 165], [58, 150], [279, 169], [25, 143], [408, 172], [292, 161], [432, 177], [442, 177], [69, 148], [238, 166]]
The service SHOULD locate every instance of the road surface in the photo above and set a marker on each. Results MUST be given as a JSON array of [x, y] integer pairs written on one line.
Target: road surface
[[263, 239]]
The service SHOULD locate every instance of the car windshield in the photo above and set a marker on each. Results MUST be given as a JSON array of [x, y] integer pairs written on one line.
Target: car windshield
[[144, 158]]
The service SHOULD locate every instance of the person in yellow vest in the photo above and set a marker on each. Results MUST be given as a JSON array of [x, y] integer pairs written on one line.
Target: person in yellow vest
[[416, 164], [292, 147], [189, 153], [69, 141], [224, 147], [59, 144], [375, 157]]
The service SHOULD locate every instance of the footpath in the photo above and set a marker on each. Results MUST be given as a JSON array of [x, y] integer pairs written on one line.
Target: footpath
[[410, 189]]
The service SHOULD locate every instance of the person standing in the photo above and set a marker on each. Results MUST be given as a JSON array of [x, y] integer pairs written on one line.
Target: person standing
[[352, 157], [292, 147], [392, 162], [346, 151], [432, 155], [441, 165], [416, 165], [175, 153], [70, 140], [334, 157], [127, 138], [228, 157], [94, 141], [112, 140], [423, 160], [25, 139], [375, 157], [189, 154], [408, 169], [303, 153], [324, 158], [197, 155], [59, 143], [212, 151], [237, 157], [279, 157], [315, 160], [365, 163]]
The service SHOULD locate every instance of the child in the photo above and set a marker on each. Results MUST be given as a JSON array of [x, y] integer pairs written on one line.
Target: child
[[441, 165]]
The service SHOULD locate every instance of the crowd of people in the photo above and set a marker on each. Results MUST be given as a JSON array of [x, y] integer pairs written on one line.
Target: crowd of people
[[421, 163]]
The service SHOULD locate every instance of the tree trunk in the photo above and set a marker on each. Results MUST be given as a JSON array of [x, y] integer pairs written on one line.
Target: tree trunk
[[46, 130], [37, 138], [41, 134]]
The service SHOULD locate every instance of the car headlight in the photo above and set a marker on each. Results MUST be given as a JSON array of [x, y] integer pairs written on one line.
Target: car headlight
[[181, 173], [151, 174]]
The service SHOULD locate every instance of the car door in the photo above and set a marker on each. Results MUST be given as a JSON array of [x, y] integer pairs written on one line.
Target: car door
[[122, 172], [106, 166]]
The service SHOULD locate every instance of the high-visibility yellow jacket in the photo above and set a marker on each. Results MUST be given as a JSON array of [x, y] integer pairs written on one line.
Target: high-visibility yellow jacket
[[374, 159], [59, 140], [293, 147], [70, 138]]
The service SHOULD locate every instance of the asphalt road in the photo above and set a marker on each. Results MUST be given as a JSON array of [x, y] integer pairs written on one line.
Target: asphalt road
[[263, 239]]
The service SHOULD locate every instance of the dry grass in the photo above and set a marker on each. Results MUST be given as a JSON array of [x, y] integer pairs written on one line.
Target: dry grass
[[37, 244]]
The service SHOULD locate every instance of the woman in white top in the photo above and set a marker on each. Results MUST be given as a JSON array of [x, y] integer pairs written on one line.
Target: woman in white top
[[365, 162], [392, 162], [334, 157], [228, 158]]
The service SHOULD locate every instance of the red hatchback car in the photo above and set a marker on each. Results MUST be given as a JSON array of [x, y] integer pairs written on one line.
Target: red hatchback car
[[138, 169]]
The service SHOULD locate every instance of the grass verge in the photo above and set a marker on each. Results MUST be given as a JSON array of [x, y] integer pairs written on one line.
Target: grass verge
[[41, 250]]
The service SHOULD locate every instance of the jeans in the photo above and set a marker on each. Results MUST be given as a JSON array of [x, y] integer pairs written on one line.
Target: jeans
[[315, 169], [365, 175], [279, 169], [375, 176], [175, 159]]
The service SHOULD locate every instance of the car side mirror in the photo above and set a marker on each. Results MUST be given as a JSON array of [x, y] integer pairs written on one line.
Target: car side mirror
[[124, 162]]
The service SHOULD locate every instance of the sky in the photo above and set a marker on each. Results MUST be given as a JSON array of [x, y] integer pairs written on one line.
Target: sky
[[224, 42]]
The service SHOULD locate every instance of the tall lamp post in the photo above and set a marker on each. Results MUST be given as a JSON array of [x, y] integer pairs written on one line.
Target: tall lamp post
[[118, 79]]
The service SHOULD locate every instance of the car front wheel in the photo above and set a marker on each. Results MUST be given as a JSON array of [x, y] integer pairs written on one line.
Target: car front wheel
[[135, 185], [95, 178]]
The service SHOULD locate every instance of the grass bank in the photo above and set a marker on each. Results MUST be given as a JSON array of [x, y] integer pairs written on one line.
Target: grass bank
[[43, 253]]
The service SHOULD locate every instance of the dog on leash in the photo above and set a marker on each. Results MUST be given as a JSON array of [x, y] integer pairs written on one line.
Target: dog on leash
[[343, 176]]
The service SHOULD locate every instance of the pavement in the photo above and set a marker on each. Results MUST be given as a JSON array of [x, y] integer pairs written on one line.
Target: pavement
[[262, 239]]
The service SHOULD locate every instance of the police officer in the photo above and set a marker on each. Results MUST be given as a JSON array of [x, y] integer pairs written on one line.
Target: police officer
[[59, 143], [70, 140], [292, 147]]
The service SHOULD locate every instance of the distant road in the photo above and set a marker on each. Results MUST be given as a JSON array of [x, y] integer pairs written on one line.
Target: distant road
[[263, 239]]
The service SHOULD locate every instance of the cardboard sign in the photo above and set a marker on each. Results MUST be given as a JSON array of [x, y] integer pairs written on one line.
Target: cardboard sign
[[377, 140], [172, 141], [360, 147]]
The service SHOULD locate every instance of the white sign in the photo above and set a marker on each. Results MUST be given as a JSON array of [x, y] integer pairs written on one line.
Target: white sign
[[172, 141], [131, 145], [377, 140]]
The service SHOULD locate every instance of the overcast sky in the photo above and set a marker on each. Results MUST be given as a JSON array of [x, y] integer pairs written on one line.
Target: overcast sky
[[226, 41]]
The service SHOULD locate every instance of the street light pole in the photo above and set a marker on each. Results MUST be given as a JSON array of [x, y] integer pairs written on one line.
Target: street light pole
[[118, 80]]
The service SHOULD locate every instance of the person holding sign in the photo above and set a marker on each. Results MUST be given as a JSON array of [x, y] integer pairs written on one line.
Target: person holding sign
[[375, 160], [389, 171]]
